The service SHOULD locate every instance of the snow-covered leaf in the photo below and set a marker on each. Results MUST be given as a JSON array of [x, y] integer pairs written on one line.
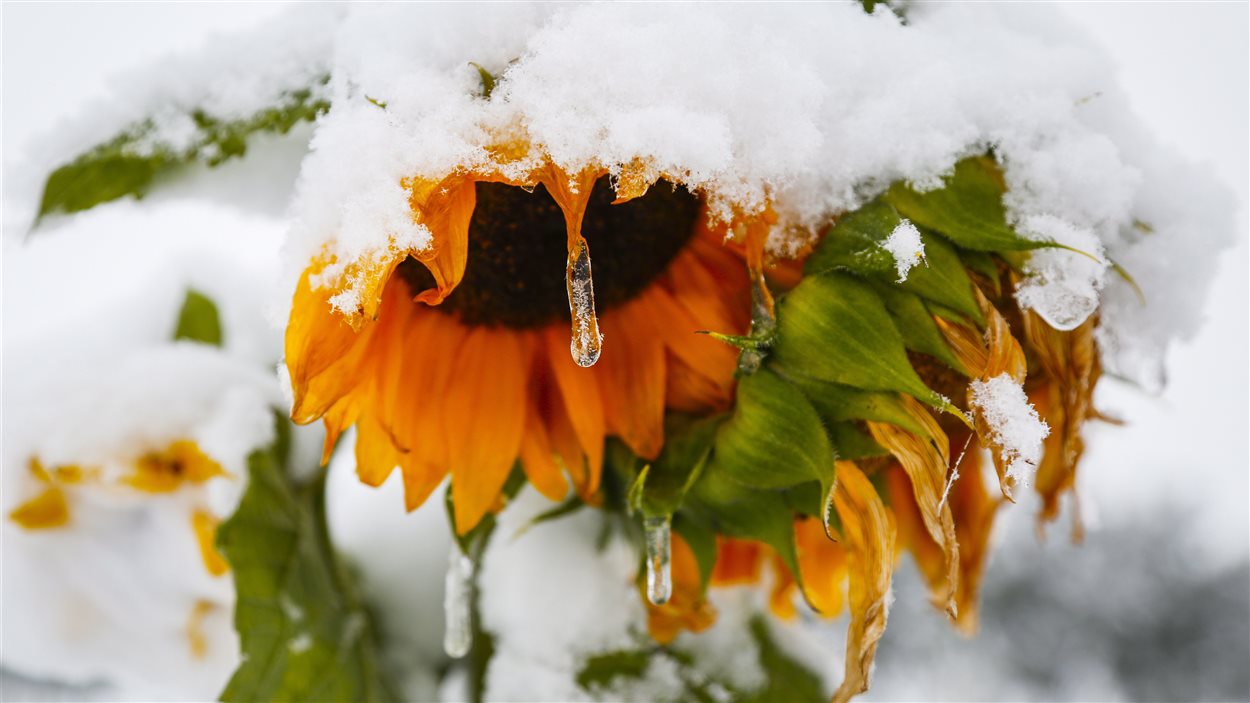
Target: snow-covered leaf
[[857, 244], [198, 320], [133, 161], [968, 210]]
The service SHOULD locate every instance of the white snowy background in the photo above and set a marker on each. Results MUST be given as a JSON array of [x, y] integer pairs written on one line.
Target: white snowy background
[[1154, 605]]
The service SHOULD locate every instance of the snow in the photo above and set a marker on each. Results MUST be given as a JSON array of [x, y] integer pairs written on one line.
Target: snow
[[905, 246], [1062, 285], [1013, 423], [808, 120], [91, 377]]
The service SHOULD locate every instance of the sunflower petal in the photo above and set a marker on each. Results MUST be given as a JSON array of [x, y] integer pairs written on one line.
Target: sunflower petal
[[869, 533]]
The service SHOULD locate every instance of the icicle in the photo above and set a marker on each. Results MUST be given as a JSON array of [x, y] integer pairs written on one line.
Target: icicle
[[658, 535], [458, 630], [586, 341]]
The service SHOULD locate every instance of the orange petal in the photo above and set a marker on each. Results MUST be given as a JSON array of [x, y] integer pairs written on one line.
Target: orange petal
[[631, 376], [712, 363], [868, 533], [687, 608], [538, 459], [376, 455], [823, 565], [580, 397], [316, 336], [738, 561], [484, 419], [446, 209]]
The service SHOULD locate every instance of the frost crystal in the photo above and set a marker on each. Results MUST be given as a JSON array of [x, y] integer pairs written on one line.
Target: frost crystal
[[905, 246], [1013, 422]]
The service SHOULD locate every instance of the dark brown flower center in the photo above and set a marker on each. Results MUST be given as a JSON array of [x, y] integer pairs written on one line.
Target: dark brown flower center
[[518, 252]]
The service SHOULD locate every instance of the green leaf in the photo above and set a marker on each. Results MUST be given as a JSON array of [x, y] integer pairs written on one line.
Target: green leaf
[[915, 324], [788, 680], [131, 162], [687, 443], [984, 264], [852, 444], [968, 210], [702, 540], [834, 328], [837, 403], [304, 631], [602, 669], [856, 244], [774, 438], [750, 513], [488, 80], [198, 320]]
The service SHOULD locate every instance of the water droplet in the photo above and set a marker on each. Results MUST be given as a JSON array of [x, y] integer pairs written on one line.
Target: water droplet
[[586, 342], [659, 539], [457, 596]]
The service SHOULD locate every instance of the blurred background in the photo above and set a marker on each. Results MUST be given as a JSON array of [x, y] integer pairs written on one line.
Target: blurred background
[[1154, 605]]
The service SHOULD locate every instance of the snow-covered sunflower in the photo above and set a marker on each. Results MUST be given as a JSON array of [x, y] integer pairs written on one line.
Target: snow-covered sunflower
[[475, 352], [449, 309]]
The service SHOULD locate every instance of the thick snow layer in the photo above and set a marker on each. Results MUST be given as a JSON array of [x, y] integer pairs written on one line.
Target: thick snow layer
[[814, 108], [229, 77], [1013, 422]]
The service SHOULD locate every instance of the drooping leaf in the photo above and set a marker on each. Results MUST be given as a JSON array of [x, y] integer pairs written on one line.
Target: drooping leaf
[[915, 324], [749, 513], [834, 328], [687, 443], [838, 403], [304, 630], [856, 244], [774, 438], [968, 209], [133, 161], [198, 320]]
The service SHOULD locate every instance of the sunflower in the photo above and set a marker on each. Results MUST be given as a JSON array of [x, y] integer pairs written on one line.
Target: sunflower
[[474, 353], [164, 471]]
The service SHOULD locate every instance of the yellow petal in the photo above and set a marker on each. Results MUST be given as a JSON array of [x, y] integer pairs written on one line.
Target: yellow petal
[[205, 525], [45, 511]]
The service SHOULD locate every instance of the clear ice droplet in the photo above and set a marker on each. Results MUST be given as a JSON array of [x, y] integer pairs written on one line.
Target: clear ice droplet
[[586, 342], [458, 628], [659, 539]]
